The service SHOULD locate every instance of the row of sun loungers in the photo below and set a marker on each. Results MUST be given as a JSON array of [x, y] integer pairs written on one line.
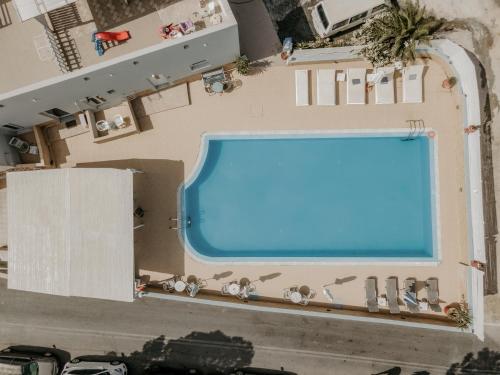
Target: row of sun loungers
[[410, 295], [381, 78]]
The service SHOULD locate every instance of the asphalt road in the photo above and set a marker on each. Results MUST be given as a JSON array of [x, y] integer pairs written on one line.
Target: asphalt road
[[220, 338]]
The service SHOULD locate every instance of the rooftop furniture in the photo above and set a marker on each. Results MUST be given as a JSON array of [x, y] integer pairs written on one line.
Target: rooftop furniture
[[384, 86], [246, 291], [302, 88], [391, 289], [192, 289], [328, 294], [356, 86], [431, 286], [413, 84], [180, 286], [294, 295], [169, 284], [325, 86], [215, 81], [233, 288], [410, 296], [129, 126], [371, 294]]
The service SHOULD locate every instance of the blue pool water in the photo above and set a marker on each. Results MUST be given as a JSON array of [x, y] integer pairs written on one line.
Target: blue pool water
[[311, 198]]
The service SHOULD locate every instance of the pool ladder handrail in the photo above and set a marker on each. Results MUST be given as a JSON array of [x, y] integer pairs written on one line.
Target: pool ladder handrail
[[179, 223], [417, 129]]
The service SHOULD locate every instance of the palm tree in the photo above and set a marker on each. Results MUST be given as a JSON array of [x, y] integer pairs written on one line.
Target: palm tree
[[394, 34]]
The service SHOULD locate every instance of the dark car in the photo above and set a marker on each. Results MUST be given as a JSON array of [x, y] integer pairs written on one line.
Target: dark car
[[21, 360]]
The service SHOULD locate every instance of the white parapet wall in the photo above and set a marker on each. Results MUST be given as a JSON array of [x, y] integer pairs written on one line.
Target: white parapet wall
[[461, 62]]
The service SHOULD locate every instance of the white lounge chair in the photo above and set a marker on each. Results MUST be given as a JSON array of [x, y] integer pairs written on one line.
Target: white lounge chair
[[356, 86], [302, 87], [391, 290], [413, 84], [384, 86], [371, 294], [410, 296], [325, 87]]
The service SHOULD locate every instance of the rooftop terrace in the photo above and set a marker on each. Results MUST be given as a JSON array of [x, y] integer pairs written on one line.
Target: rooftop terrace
[[59, 42]]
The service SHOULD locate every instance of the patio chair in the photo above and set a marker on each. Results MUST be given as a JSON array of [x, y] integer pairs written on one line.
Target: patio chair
[[431, 286], [225, 289], [356, 86], [247, 291], [412, 84], [169, 284], [287, 292], [302, 88], [391, 289], [371, 294], [325, 87], [410, 296], [328, 294], [384, 87], [192, 289]]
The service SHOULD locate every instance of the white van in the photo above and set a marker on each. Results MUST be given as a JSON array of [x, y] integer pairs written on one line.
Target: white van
[[333, 16]]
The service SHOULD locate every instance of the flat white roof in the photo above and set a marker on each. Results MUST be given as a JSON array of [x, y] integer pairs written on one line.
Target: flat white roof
[[71, 232], [339, 10]]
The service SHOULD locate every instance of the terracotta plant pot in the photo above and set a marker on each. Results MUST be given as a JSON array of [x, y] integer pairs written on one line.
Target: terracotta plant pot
[[284, 55], [454, 305], [448, 83]]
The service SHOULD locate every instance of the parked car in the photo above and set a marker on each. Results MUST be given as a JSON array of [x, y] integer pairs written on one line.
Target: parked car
[[21, 360], [333, 16], [80, 367]]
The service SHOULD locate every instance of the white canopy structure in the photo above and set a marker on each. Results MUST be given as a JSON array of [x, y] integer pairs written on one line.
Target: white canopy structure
[[71, 232], [31, 8]]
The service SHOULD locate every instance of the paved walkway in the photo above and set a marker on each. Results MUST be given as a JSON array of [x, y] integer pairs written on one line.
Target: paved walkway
[[226, 337]]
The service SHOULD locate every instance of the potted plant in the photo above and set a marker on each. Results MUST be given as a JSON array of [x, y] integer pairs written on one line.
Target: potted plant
[[242, 64], [449, 82], [459, 313]]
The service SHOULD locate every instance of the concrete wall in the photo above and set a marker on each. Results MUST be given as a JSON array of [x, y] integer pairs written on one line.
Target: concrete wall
[[218, 44]]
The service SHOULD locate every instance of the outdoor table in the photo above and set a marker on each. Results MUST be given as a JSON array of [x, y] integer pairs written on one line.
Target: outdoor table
[[296, 297], [234, 289], [180, 286], [217, 87]]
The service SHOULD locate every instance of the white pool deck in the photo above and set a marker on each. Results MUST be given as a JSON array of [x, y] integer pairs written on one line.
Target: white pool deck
[[168, 150]]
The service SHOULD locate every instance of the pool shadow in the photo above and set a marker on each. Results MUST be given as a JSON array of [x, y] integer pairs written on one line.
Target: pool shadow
[[157, 249]]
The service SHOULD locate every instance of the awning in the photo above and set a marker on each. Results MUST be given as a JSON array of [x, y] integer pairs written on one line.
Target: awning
[[71, 232], [31, 8]]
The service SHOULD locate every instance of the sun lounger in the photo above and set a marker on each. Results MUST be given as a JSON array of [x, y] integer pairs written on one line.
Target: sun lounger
[[431, 286], [410, 297], [412, 84], [391, 290], [325, 87], [384, 86], [371, 294], [356, 86], [302, 87]]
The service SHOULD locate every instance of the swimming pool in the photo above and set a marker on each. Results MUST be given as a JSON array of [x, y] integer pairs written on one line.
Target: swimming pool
[[311, 197]]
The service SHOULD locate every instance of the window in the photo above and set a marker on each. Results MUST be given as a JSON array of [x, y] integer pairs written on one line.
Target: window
[[322, 16], [200, 65], [56, 112], [12, 126], [340, 24], [378, 8], [384, 80], [356, 81], [358, 17]]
